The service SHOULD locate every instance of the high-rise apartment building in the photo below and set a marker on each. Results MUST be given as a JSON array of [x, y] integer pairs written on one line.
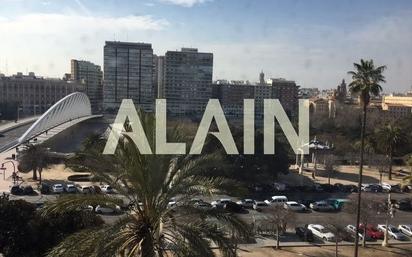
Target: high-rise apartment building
[[188, 79], [160, 76], [91, 76], [33, 95], [287, 92], [231, 97], [128, 74]]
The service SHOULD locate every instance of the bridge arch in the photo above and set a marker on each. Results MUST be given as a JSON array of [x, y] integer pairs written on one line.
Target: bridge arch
[[73, 106]]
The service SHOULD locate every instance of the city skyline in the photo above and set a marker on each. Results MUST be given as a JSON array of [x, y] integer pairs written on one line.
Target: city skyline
[[312, 44]]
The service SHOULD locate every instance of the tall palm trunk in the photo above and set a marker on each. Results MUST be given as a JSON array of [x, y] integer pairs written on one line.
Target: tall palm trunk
[[336, 247], [390, 163], [34, 174], [360, 179]]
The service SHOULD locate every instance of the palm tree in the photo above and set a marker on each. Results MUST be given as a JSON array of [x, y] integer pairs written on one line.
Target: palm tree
[[35, 157], [151, 226], [390, 137], [366, 79]]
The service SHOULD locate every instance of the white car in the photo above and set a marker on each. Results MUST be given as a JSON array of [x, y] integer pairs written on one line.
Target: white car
[[321, 232], [406, 229], [107, 189], [386, 187], [85, 189], [277, 200], [259, 205], [70, 188], [106, 209], [392, 231], [246, 203], [321, 206], [220, 203], [57, 188], [294, 206], [352, 229]]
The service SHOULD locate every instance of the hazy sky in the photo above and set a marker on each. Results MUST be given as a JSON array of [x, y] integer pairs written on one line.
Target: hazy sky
[[312, 42]]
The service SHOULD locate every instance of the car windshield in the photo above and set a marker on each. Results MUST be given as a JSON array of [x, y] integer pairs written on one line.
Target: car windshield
[[324, 230], [294, 204], [394, 230]]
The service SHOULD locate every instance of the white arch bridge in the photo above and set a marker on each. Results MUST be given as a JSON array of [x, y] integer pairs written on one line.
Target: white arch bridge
[[73, 108]]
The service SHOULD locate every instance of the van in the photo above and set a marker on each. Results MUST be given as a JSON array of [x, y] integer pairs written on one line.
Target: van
[[277, 200]]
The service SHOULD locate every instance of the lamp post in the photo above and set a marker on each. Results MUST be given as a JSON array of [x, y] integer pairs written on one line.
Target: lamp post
[[390, 214], [4, 169]]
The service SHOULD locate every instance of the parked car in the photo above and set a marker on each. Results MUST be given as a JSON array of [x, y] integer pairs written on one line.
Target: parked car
[[259, 205], [107, 209], [57, 188], [107, 189], [403, 204], [246, 203], [70, 188], [277, 200], [16, 190], [233, 207], [321, 206], [202, 205], [220, 203], [372, 231], [406, 229], [337, 203], [304, 234], [45, 188], [84, 189], [321, 232], [28, 190], [393, 232], [371, 188], [352, 229], [390, 188], [294, 206], [347, 236]]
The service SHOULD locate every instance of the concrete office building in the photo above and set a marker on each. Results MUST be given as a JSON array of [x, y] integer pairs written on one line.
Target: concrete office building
[[91, 76], [33, 95], [128, 74], [188, 79]]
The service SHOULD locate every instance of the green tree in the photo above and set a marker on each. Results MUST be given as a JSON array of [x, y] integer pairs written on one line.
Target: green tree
[[35, 157], [390, 137], [366, 79], [151, 227]]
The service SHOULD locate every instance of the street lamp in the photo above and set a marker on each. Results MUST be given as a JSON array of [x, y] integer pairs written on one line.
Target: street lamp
[[4, 169], [390, 214]]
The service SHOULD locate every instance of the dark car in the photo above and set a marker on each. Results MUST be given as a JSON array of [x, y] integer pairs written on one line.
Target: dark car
[[403, 204], [304, 234], [28, 190], [233, 207], [327, 188], [347, 236], [16, 190], [376, 188], [45, 188]]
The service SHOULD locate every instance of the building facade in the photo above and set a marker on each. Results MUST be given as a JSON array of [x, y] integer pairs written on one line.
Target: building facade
[[91, 76], [32, 95], [128, 74], [287, 92], [397, 106], [187, 81], [231, 97]]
